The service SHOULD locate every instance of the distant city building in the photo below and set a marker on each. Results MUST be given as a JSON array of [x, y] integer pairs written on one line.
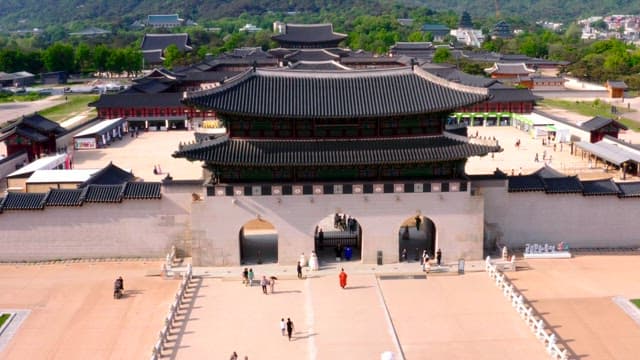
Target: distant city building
[[91, 31], [466, 34], [502, 30], [164, 21], [249, 28], [438, 31]]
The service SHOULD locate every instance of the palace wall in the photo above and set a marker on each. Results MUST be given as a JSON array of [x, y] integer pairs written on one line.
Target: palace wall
[[217, 221], [581, 221], [133, 228]]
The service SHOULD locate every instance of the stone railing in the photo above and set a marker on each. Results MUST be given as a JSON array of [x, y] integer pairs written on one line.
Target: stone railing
[[526, 312], [164, 334]]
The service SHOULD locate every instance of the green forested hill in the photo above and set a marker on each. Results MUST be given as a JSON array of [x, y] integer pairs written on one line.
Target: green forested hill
[[16, 14]]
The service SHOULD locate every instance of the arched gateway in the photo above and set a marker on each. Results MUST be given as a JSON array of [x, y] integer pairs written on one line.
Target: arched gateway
[[301, 142], [416, 234], [258, 242]]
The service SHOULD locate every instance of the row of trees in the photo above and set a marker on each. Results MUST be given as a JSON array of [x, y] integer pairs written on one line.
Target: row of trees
[[64, 57]]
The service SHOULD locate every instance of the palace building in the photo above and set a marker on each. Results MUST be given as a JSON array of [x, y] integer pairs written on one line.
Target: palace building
[[367, 145]]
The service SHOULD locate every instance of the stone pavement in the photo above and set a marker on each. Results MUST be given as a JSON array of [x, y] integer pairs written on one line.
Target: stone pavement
[[14, 110], [576, 298], [73, 313], [454, 317]]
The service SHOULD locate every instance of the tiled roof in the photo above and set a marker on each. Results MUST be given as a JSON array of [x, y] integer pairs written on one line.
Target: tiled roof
[[435, 28], [336, 94], [503, 95], [143, 190], [318, 65], [452, 74], [24, 201], [152, 86], [525, 183], [64, 197], [138, 100], [309, 33], [562, 185], [599, 187], [421, 46], [162, 41], [510, 69], [250, 152], [152, 56], [42, 124], [617, 84], [311, 55], [31, 134], [629, 189], [104, 193], [109, 175], [599, 122]]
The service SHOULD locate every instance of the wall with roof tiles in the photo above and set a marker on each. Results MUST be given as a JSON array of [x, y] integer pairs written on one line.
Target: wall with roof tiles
[[217, 221], [581, 221], [133, 228]]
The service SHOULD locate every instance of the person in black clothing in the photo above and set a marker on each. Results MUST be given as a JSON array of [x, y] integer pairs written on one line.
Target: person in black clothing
[[418, 222], [438, 256], [118, 288], [299, 269], [290, 328]]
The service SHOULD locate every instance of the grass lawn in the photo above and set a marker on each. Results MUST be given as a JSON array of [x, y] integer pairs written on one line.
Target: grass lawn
[[3, 318], [33, 96], [636, 302], [75, 105], [593, 108]]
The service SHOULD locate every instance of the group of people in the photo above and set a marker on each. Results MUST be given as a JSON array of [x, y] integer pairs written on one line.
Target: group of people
[[247, 280], [287, 327], [345, 223], [234, 356]]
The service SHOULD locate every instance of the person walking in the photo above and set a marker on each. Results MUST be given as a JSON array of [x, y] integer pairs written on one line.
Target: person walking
[[283, 327], [439, 257], [250, 277], [418, 222], [272, 283], [299, 270], [263, 283], [343, 278], [425, 259], [234, 356], [290, 328], [245, 277]]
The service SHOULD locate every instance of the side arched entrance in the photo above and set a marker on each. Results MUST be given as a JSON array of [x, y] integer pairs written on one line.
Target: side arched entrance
[[416, 234], [258, 240]]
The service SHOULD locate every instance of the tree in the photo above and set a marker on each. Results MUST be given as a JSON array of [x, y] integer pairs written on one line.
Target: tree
[[441, 55], [101, 54], [59, 57], [83, 57], [171, 56]]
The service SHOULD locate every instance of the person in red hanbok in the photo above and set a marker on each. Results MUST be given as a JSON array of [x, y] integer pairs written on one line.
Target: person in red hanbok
[[343, 278]]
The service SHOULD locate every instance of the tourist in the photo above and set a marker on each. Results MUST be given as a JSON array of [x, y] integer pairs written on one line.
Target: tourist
[[536, 158], [290, 328], [245, 277], [299, 269], [283, 326], [234, 356], [263, 283], [320, 237], [404, 255], [425, 257], [439, 257], [343, 278], [250, 277], [272, 283], [339, 251], [418, 221]]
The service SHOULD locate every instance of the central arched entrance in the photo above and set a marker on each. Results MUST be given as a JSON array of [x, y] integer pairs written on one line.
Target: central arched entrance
[[416, 234], [258, 242], [338, 237]]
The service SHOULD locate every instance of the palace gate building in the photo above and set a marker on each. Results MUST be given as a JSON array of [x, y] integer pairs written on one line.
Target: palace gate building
[[303, 146]]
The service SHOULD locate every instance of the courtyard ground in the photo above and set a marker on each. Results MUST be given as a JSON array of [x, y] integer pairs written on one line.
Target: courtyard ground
[[575, 297], [73, 314]]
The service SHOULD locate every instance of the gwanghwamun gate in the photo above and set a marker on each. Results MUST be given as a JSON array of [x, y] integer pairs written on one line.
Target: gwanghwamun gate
[[312, 160]]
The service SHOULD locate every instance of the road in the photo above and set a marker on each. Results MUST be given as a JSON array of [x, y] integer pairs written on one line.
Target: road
[[14, 110]]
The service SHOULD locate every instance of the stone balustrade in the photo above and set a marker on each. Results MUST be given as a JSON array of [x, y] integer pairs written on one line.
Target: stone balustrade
[[526, 312], [169, 320]]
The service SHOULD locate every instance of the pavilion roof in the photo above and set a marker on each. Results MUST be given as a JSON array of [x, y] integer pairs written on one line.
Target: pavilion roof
[[275, 152], [336, 94], [139, 100], [309, 33]]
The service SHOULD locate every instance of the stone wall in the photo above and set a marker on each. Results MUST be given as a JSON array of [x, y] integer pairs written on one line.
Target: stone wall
[[217, 221], [581, 221], [133, 228]]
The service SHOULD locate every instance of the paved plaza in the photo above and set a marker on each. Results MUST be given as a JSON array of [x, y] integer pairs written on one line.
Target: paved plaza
[[73, 313]]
